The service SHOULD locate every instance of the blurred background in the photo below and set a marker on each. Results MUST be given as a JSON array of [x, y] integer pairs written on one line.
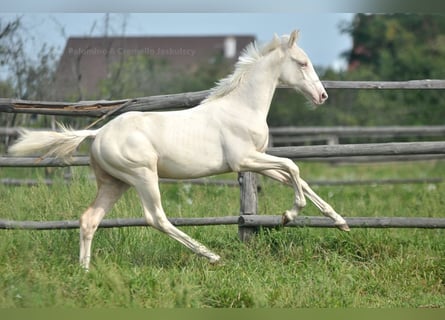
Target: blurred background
[[79, 56]]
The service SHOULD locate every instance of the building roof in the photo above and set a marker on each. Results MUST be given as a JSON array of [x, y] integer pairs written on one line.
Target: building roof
[[86, 61]]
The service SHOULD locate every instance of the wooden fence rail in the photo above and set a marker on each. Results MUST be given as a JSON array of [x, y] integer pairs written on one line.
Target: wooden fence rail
[[410, 84], [348, 131], [100, 108], [338, 131], [364, 149], [234, 183], [282, 136], [300, 152], [248, 221]]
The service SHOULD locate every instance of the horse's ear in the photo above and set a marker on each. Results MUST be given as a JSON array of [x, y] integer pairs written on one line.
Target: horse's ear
[[293, 38], [276, 38], [275, 43]]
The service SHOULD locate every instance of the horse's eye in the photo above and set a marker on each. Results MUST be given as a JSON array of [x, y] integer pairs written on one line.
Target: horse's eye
[[302, 64]]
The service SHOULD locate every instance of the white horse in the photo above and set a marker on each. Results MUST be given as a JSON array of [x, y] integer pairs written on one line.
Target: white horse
[[226, 132]]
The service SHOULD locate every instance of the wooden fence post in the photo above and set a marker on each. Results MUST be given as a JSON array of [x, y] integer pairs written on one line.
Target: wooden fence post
[[248, 202]]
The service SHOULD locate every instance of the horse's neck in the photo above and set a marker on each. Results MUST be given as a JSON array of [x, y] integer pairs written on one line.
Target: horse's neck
[[256, 90]]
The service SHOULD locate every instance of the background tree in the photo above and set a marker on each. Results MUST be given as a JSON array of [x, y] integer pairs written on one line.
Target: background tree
[[397, 47], [28, 77], [144, 75]]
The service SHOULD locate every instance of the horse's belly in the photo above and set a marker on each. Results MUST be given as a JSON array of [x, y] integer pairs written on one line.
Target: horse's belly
[[190, 167]]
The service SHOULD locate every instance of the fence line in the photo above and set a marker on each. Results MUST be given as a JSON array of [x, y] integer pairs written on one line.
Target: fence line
[[114, 223], [374, 158], [353, 222], [246, 221], [332, 135], [347, 131], [337, 131], [202, 181], [234, 183], [100, 108], [300, 152], [364, 149], [410, 84]]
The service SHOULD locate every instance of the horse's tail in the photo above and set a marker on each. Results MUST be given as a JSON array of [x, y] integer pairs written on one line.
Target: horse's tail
[[60, 144]]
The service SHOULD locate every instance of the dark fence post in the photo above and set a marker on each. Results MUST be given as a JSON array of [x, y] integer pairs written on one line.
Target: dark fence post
[[248, 202]]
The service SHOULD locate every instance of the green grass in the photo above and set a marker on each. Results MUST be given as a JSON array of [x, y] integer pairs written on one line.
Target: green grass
[[290, 267]]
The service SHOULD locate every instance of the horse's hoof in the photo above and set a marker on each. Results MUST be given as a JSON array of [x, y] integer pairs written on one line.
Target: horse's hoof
[[217, 262], [343, 227], [284, 220], [215, 259]]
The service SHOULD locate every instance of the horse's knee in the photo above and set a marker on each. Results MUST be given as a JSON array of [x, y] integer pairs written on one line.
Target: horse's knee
[[88, 224]]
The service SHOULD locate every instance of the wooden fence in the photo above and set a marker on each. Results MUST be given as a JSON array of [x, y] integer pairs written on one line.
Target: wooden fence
[[298, 152], [103, 108], [294, 135], [249, 220], [284, 136], [246, 221]]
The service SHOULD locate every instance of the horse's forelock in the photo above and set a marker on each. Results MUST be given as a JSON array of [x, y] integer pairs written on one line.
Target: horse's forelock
[[272, 45]]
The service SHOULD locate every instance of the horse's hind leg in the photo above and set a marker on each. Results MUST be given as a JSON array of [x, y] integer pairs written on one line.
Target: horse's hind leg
[[322, 205], [146, 185], [109, 191]]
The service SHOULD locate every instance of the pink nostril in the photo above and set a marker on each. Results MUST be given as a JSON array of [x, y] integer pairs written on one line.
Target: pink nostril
[[324, 96]]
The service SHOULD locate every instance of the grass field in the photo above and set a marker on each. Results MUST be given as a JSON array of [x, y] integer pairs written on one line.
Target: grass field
[[290, 267]]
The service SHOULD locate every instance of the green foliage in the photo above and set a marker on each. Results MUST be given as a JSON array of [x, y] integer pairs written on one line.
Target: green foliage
[[31, 75], [290, 267], [399, 46], [395, 48], [137, 76], [144, 75], [206, 75], [6, 89]]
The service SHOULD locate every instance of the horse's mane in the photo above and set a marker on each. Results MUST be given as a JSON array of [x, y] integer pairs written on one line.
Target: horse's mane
[[249, 56]]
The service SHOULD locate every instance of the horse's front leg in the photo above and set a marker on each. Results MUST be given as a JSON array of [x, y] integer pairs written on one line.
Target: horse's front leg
[[322, 205], [259, 162]]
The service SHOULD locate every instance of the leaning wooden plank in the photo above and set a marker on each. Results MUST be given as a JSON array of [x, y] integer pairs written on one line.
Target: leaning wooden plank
[[102, 107]]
